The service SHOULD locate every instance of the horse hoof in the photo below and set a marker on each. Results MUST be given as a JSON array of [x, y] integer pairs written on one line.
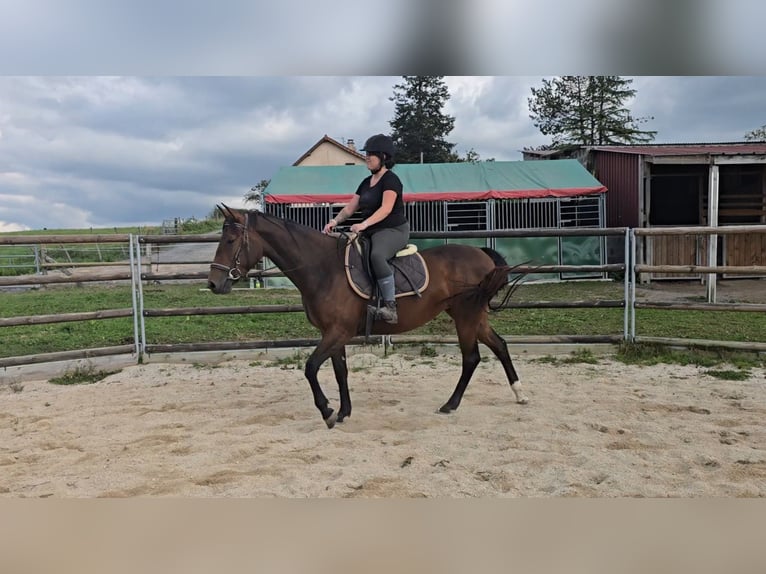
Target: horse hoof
[[523, 401], [446, 409], [330, 421]]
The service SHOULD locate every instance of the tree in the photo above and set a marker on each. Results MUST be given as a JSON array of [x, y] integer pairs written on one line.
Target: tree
[[587, 110], [255, 195], [758, 135], [419, 125], [471, 156]]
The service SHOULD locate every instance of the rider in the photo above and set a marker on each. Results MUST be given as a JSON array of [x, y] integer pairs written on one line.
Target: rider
[[379, 198]]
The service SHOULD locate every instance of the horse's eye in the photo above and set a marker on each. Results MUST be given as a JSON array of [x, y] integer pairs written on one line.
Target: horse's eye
[[229, 241]]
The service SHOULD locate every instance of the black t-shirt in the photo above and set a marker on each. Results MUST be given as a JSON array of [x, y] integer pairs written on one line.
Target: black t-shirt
[[371, 198]]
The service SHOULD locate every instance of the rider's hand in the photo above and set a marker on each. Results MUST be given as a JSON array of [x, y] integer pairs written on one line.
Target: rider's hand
[[358, 227], [330, 225]]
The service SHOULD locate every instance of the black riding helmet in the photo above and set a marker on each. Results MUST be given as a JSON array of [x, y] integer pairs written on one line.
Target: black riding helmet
[[380, 143]]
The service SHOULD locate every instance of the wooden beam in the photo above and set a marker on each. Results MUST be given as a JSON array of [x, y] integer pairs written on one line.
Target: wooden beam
[[701, 230], [738, 159], [737, 270]]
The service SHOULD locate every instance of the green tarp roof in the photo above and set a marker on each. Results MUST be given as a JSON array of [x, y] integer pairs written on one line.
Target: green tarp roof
[[439, 181]]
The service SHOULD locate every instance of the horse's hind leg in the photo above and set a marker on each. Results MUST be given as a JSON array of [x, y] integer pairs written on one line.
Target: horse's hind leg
[[341, 375], [497, 345], [469, 348]]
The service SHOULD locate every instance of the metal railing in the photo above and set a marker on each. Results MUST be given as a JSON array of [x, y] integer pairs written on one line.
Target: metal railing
[[137, 271]]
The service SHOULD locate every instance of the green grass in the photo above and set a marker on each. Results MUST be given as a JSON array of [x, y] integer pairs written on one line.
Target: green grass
[[19, 259], [575, 357], [32, 339], [81, 375], [428, 351], [652, 354], [728, 374], [295, 361]]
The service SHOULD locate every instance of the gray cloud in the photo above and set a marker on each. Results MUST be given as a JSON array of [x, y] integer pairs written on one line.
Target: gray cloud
[[115, 150]]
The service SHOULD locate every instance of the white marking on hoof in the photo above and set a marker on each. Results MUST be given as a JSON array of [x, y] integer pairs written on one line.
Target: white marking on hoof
[[521, 398], [330, 421]]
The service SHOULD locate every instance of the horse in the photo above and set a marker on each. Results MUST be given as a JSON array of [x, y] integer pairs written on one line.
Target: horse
[[462, 281]]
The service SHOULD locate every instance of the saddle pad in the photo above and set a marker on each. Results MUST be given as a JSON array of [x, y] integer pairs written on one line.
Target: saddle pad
[[410, 274]]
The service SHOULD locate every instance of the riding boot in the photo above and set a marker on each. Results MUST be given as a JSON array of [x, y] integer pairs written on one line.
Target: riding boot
[[388, 292], [388, 312]]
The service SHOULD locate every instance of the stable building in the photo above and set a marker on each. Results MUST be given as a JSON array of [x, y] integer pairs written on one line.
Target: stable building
[[686, 185], [467, 196]]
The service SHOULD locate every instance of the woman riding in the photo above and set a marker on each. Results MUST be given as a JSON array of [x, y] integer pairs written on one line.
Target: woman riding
[[379, 199]]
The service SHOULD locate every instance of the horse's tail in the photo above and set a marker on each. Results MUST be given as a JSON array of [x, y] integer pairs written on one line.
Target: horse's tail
[[496, 257], [493, 282], [498, 278]]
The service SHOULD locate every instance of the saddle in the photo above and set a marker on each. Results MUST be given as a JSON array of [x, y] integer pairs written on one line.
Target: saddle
[[410, 270]]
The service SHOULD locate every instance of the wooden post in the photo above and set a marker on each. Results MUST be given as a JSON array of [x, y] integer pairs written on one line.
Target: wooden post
[[644, 249], [712, 245]]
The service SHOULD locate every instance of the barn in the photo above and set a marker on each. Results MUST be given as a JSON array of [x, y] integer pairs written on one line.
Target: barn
[[687, 185], [466, 196], [680, 185]]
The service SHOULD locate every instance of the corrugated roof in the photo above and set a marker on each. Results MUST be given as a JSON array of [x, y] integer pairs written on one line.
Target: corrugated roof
[[439, 181], [734, 148]]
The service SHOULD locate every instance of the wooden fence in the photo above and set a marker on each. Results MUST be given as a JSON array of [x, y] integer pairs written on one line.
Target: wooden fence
[[711, 270], [137, 275]]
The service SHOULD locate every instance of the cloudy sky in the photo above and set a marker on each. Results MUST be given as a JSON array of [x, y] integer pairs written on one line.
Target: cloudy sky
[[102, 151], [125, 113]]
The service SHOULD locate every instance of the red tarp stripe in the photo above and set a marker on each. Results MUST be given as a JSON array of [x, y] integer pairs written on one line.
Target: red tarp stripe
[[446, 195]]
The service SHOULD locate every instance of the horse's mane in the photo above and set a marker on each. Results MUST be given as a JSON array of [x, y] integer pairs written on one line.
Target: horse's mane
[[293, 228], [298, 232]]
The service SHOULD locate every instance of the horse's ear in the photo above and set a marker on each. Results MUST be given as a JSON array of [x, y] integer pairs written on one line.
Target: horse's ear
[[228, 211]]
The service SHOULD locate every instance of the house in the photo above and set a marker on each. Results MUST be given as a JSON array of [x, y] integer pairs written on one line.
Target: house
[[328, 151], [466, 196]]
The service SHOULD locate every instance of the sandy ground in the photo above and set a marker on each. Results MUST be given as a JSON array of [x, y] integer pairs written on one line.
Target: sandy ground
[[245, 428]]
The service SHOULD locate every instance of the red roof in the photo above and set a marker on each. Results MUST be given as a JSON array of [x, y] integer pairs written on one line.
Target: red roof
[[737, 148]]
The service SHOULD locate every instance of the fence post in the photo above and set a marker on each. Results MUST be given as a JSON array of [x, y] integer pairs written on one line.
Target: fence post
[[136, 340], [140, 290], [633, 250], [626, 295]]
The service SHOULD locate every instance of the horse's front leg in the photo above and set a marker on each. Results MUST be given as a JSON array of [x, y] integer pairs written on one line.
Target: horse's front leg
[[327, 348], [341, 376]]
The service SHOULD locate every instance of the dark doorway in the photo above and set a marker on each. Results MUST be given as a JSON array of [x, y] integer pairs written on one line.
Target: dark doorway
[[675, 200]]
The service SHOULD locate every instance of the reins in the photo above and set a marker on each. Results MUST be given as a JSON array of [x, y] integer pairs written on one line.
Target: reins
[[234, 272]]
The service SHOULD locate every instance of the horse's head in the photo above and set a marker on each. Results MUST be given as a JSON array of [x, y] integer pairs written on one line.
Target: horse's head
[[236, 253]]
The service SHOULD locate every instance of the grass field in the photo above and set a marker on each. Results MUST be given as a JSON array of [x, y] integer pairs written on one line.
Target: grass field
[[32, 339], [23, 259]]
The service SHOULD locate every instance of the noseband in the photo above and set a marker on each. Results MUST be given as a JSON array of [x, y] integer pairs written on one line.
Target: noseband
[[234, 273]]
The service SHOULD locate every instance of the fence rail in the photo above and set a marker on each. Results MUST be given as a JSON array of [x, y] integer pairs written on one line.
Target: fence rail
[[137, 275], [711, 270]]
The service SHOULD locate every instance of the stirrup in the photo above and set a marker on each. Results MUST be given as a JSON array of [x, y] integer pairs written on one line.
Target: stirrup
[[387, 312]]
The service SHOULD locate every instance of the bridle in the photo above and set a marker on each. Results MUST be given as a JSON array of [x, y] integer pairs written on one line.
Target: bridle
[[234, 273]]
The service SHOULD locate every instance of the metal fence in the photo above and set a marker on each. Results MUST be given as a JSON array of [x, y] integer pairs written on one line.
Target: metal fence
[[137, 273]]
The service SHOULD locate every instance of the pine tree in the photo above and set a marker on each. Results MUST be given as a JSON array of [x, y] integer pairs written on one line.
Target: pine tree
[[419, 125], [587, 110]]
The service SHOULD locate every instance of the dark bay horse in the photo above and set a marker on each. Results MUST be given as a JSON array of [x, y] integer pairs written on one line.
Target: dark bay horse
[[463, 280]]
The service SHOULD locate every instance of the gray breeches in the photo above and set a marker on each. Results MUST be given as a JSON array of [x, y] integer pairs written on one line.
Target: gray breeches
[[385, 244]]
